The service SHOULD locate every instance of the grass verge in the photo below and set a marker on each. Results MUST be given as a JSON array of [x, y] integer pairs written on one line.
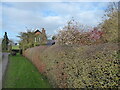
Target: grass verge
[[22, 74]]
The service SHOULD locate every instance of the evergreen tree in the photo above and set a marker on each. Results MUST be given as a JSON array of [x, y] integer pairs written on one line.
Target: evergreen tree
[[5, 42]]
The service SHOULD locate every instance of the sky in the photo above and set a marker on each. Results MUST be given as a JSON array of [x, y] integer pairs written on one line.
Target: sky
[[19, 16]]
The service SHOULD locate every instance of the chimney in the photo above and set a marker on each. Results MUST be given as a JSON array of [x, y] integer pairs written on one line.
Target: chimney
[[43, 30]]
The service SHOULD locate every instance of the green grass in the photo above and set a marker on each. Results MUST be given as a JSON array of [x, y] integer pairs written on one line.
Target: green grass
[[15, 47], [22, 74]]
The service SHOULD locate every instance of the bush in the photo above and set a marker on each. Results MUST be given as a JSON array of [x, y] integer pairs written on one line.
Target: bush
[[110, 24], [68, 37], [73, 34], [110, 27], [77, 66], [13, 53]]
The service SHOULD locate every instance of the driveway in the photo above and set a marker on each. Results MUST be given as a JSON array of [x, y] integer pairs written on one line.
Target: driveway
[[3, 66]]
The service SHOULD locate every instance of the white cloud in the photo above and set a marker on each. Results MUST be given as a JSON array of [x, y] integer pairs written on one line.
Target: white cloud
[[17, 16]]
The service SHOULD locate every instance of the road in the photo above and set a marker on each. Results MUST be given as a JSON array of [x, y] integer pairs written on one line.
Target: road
[[3, 66]]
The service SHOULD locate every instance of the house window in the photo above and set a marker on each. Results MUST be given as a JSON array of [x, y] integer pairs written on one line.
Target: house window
[[35, 39]]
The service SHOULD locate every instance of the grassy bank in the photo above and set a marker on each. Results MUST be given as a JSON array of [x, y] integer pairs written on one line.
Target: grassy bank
[[22, 74]]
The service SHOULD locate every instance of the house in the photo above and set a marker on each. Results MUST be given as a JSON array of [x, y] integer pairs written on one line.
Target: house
[[37, 35], [40, 37]]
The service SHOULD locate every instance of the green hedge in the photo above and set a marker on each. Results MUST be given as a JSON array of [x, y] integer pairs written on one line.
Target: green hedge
[[77, 66]]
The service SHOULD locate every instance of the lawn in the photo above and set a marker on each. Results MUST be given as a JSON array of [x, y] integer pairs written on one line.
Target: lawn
[[15, 47], [22, 74]]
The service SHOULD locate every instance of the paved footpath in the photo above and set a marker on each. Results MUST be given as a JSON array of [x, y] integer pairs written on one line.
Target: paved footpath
[[3, 66]]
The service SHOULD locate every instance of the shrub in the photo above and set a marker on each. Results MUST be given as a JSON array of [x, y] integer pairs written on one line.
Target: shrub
[[110, 24], [68, 66], [74, 34], [68, 37], [54, 37], [13, 53]]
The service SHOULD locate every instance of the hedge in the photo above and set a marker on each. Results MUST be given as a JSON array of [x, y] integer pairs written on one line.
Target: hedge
[[77, 66]]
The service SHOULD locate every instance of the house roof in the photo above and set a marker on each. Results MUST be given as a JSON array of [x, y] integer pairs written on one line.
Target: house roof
[[37, 31]]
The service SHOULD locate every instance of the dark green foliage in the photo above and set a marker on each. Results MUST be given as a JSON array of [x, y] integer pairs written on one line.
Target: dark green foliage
[[5, 42], [54, 38], [13, 53], [20, 51]]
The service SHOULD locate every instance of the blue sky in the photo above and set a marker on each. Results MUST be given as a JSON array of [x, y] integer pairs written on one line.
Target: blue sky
[[50, 15]]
